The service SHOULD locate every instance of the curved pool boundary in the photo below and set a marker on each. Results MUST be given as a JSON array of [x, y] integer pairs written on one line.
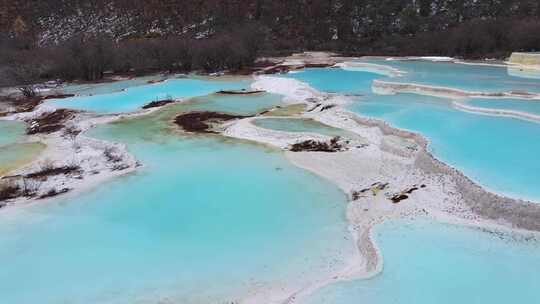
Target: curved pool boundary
[[496, 112], [489, 210], [383, 87]]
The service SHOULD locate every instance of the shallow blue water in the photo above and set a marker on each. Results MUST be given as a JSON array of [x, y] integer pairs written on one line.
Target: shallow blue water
[[237, 104], [521, 105], [10, 131], [460, 76], [15, 153], [499, 152], [136, 97], [109, 87], [204, 221], [446, 265], [336, 80]]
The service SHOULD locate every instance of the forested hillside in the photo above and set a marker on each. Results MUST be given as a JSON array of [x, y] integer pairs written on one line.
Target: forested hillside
[[291, 23], [465, 28]]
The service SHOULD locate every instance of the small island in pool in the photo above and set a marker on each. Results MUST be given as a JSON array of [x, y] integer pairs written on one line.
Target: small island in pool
[[214, 174]]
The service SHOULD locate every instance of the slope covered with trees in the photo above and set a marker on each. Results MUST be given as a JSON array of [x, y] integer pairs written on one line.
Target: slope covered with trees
[[63, 36]]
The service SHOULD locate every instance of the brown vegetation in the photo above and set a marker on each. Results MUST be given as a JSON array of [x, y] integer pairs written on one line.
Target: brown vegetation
[[48, 171], [89, 56], [50, 122], [317, 146], [239, 92], [158, 103], [327, 107], [28, 104], [403, 195], [57, 96], [53, 193], [201, 122], [9, 192], [18, 186]]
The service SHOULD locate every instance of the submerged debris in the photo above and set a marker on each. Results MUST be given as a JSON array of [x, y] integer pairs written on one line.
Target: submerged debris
[[320, 65], [240, 92], [154, 81], [158, 103], [201, 122], [318, 146], [50, 122]]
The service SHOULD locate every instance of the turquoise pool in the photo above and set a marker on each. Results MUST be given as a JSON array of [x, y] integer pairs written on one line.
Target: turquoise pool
[[135, 97], [336, 80], [499, 152], [13, 152], [466, 77], [196, 224], [211, 220], [109, 87], [446, 265], [237, 104], [10, 131]]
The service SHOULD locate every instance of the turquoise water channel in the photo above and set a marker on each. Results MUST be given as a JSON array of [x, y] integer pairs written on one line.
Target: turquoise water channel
[[446, 265], [499, 152]]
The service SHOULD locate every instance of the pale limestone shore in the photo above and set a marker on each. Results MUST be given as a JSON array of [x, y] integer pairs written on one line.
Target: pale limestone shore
[[91, 155], [386, 87], [496, 112], [382, 87], [399, 158], [370, 67]]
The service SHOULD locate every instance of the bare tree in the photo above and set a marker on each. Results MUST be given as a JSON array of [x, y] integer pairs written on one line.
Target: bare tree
[[25, 74], [31, 186]]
